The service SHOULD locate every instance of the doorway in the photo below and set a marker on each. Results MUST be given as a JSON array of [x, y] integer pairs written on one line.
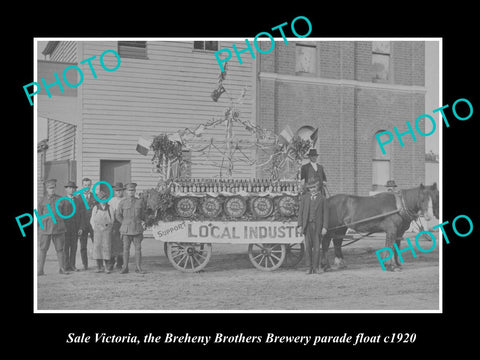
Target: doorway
[[113, 171]]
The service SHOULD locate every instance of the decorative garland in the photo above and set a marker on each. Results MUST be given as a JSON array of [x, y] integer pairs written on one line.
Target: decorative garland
[[165, 153]]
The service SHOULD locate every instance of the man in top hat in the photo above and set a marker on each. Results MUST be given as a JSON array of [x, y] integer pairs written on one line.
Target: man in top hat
[[85, 226], [312, 171], [130, 213], [117, 243], [313, 220], [72, 226], [49, 230]]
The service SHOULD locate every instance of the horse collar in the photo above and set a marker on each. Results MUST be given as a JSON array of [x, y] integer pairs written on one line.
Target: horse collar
[[404, 211]]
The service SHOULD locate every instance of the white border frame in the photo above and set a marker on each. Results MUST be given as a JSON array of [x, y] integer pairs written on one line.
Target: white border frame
[[242, 39]]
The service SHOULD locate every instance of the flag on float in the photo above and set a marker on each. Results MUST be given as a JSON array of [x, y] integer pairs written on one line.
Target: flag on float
[[314, 137], [286, 135], [143, 145]]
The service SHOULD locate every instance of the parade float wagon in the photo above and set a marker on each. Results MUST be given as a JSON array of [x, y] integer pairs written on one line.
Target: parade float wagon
[[260, 213]]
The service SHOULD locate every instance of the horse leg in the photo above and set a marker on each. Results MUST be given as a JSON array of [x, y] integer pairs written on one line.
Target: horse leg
[[398, 240], [390, 239], [339, 261], [324, 264]]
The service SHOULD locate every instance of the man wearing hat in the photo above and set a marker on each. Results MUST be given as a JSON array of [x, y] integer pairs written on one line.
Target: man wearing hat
[[117, 243], [85, 226], [312, 171], [72, 226], [51, 231], [391, 185], [313, 220], [130, 213]]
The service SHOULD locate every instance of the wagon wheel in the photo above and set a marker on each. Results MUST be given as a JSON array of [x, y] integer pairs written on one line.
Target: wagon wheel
[[294, 254], [189, 257], [266, 257]]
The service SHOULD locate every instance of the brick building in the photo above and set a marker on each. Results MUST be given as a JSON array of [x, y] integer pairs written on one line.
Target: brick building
[[350, 91]]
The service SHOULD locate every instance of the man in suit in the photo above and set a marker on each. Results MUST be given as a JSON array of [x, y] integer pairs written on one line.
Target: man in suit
[[72, 225], [313, 220], [312, 171], [85, 226]]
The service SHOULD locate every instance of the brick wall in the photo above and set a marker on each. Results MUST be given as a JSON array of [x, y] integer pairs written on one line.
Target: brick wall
[[348, 115]]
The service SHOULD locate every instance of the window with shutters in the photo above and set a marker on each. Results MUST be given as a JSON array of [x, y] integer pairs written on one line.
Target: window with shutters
[[132, 49], [205, 45]]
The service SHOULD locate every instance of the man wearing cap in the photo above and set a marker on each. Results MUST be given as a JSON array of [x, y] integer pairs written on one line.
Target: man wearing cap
[[312, 171], [72, 225], [85, 226], [130, 213], [51, 231], [313, 220], [117, 243]]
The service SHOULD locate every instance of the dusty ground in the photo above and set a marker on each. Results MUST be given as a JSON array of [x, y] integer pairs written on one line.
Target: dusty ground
[[230, 282]]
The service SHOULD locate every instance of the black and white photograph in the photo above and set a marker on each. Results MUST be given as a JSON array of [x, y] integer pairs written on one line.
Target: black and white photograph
[[238, 175], [299, 181]]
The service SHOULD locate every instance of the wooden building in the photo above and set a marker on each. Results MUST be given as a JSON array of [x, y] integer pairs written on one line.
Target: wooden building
[[349, 90], [159, 87]]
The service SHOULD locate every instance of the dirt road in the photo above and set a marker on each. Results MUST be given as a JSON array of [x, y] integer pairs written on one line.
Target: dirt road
[[230, 282]]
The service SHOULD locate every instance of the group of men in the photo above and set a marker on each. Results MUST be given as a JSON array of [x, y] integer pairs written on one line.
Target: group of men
[[130, 212], [66, 233]]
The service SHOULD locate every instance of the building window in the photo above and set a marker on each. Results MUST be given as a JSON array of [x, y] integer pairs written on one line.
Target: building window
[[381, 166], [132, 49], [381, 61], [205, 45], [305, 59]]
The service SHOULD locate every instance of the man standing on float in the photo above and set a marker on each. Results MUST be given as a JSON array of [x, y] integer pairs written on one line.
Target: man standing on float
[[312, 171]]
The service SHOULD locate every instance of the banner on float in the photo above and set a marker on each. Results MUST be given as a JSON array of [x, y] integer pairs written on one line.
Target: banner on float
[[237, 232]]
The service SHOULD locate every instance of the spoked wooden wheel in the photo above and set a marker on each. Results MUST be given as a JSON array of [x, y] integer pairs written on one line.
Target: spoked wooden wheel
[[294, 254], [189, 257], [266, 257]]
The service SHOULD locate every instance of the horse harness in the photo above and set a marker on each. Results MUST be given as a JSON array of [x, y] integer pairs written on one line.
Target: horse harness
[[402, 210], [406, 214]]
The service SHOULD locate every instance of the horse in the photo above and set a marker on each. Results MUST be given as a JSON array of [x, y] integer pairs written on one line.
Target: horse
[[434, 194], [347, 211]]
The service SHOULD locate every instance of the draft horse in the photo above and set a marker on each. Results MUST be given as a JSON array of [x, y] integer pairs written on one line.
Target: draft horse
[[348, 211]]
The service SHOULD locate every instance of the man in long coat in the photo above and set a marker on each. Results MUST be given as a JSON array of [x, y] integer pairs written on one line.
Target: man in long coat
[[313, 220]]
